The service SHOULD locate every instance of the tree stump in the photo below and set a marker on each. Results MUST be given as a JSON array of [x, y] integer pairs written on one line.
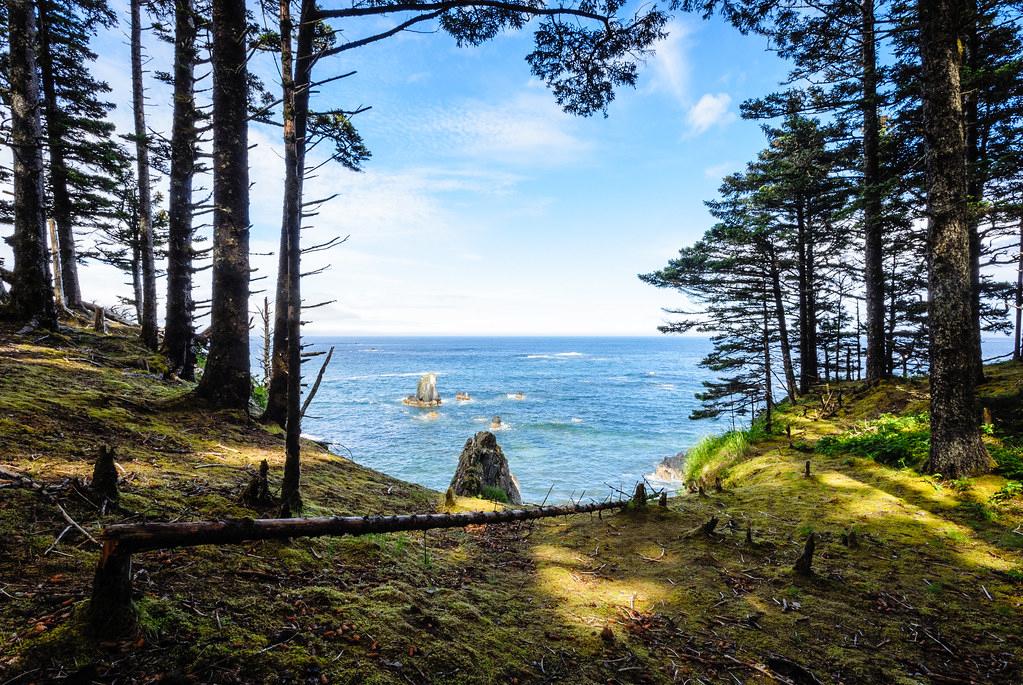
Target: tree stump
[[257, 492], [704, 529], [804, 564], [639, 498], [104, 474], [111, 613], [663, 501], [449, 498], [99, 324], [806, 469], [850, 539], [718, 487]]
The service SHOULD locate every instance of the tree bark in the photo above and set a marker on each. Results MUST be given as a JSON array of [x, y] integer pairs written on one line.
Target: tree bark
[[873, 266], [56, 131], [179, 329], [956, 448], [31, 293], [299, 79], [148, 320], [226, 381]]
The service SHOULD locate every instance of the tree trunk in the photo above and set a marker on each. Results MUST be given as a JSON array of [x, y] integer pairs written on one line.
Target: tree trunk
[[226, 381], [148, 320], [956, 448], [808, 370], [31, 293], [55, 137], [291, 497], [783, 326], [1017, 349], [974, 187], [179, 328], [300, 78], [768, 396], [873, 266]]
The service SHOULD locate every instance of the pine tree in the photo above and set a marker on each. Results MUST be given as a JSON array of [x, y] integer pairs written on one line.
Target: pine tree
[[31, 289], [226, 381], [83, 156], [150, 331]]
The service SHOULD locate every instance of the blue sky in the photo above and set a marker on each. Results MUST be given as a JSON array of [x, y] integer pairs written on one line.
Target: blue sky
[[484, 210]]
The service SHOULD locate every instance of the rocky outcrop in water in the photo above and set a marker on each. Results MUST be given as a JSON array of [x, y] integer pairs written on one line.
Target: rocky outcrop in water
[[671, 468], [426, 392], [482, 465]]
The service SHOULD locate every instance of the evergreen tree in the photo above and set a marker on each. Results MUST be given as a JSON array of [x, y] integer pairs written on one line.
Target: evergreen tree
[[31, 290], [83, 155], [150, 332]]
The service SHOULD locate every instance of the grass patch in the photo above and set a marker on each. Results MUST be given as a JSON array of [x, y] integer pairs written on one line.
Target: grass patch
[[714, 454]]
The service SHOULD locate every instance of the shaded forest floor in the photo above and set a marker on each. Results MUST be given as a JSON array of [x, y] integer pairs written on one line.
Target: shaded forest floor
[[933, 593]]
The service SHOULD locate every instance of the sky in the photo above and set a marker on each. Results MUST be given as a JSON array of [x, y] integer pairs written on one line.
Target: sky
[[484, 209]]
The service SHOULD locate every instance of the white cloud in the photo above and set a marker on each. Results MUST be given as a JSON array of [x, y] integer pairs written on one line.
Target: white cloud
[[669, 70], [526, 129], [710, 110]]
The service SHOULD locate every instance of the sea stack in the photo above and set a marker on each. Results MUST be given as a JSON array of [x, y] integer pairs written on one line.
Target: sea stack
[[482, 465], [426, 392]]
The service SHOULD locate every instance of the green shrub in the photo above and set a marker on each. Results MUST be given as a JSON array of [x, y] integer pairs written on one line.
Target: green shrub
[[494, 494], [260, 395], [1010, 490], [892, 440], [1009, 458]]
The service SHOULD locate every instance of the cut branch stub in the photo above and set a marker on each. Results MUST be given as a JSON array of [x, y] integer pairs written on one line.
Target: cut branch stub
[[104, 474], [804, 564]]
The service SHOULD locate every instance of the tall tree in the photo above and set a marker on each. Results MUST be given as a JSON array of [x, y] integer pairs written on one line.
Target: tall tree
[[31, 291], [956, 447], [226, 381], [291, 498], [179, 327], [83, 155], [150, 332]]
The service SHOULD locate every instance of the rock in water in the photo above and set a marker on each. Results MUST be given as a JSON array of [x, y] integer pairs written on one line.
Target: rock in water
[[482, 464], [426, 392], [671, 468]]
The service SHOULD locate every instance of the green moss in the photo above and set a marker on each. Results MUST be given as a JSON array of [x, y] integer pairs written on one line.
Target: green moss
[[523, 603]]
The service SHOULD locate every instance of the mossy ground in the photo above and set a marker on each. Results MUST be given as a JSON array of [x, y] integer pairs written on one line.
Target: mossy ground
[[932, 594]]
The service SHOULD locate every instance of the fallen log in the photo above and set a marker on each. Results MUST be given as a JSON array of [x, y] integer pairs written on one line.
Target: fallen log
[[112, 614]]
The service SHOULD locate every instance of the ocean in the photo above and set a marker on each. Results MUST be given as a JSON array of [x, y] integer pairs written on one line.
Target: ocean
[[593, 413]]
